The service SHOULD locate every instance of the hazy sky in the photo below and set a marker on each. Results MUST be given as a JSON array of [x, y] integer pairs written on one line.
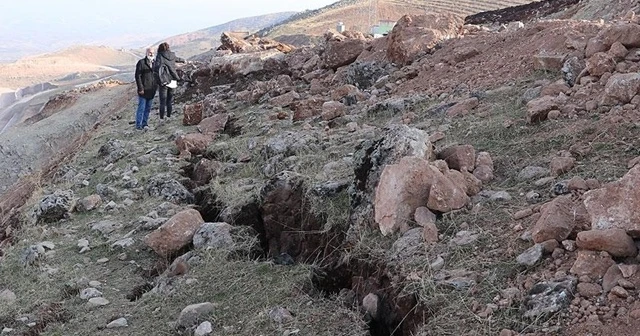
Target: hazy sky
[[52, 23]]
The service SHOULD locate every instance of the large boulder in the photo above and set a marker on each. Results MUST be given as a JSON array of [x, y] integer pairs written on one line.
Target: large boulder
[[614, 241], [621, 88], [628, 34], [54, 207], [340, 53], [113, 150], [617, 204], [558, 219], [371, 158], [600, 63], [175, 234], [414, 35], [408, 185]]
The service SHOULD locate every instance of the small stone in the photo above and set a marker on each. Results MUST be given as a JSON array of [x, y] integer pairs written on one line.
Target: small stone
[[620, 292], [635, 314], [371, 305], [593, 184], [437, 264], [523, 214], [500, 196], [84, 249], [532, 197], [205, 328], [463, 238], [544, 181], [577, 183], [102, 261], [589, 290], [119, 323], [554, 115], [124, 243], [626, 284], [83, 243], [7, 296], [89, 293], [628, 270], [95, 284], [549, 246], [280, 315], [192, 313], [97, 302], [569, 245], [531, 256]]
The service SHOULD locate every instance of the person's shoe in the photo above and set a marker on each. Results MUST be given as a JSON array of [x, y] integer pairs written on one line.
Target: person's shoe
[[148, 128]]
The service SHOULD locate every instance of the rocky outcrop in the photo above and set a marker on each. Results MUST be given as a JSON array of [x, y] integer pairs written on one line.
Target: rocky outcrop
[[415, 35], [340, 53], [54, 207]]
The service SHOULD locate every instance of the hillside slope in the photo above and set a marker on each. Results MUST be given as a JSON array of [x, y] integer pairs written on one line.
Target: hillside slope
[[362, 14], [81, 59], [193, 43]]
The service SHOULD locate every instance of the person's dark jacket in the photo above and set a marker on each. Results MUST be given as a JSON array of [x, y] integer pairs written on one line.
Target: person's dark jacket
[[145, 79], [167, 58]]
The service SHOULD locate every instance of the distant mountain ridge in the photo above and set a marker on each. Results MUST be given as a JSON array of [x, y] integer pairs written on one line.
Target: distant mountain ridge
[[197, 42]]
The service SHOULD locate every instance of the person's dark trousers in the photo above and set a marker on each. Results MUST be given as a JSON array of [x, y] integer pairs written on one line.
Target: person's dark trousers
[[142, 114], [166, 101]]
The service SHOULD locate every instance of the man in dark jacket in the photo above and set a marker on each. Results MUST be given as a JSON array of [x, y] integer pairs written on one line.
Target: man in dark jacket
[[147, 85], [165, 70]]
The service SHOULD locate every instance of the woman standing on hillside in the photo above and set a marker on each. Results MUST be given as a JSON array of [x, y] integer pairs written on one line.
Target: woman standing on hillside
[[165, 70]]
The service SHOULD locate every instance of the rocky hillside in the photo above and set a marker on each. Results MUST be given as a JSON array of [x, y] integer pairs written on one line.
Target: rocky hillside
[[447, 179], [360, 15], [194, 43]]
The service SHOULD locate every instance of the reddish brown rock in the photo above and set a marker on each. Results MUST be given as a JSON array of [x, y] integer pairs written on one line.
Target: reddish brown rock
[[307, 108], [593, 184], [463, 108], [561, 165], [459, 157], [577, 183], [483, 173], [332, 110], [538, 109], [554, 89], [617, 204], [465, 53], [592, 264], [548, 62], [343, 91], [403, 188], [589, 290], [627, 34], [340, 53], [600, 63], [192, 114], [618, 51], [472, 183], [284, 99], [445, 195], [523, 214], [89, 203], [175, 234], [558, 219], [193, 143], [408, 185], [414, 35], [621, 88], [214, 124], [611, 277], [424, 216], [614, 241]]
